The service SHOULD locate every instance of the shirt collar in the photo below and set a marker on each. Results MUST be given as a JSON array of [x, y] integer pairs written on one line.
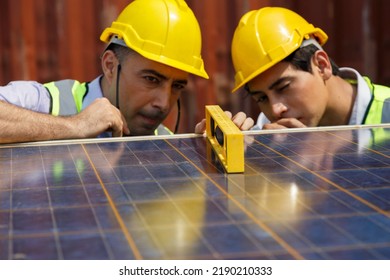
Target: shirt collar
[[363, 96]]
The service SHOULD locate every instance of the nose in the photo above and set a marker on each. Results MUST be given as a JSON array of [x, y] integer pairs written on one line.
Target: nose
[[278, 109], [162, 99]]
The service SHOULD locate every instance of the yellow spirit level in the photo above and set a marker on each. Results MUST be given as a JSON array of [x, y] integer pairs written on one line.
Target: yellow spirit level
[[226, 139]]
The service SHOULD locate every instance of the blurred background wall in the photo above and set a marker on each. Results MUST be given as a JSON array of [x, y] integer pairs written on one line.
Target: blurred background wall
[[47, 40]]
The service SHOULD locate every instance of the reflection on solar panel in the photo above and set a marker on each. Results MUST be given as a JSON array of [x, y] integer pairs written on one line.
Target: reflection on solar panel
[[303, 195]]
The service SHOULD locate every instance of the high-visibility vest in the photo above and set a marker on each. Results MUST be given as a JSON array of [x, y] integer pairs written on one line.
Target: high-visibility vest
[[378, 111], [67, 99]]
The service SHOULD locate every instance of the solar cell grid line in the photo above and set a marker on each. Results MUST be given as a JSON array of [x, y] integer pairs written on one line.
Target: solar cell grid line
[[380, 153], [182, 205], [17, 212], [10, 225], [285, 245], [386, 213], [164, 151], [107, 248], [114, 162], [175, 148], [128, 236], [54, 222], [382, 211], [230, 177], [133, 162], [141, 158], [385, 163], [207, 249], [312, 247], [102, 211]]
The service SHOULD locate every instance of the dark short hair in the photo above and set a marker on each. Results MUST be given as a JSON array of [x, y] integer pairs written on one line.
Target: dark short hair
[[120, 51], [301, 59]]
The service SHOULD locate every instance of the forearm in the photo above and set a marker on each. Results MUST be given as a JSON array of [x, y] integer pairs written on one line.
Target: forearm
[[21, 125]]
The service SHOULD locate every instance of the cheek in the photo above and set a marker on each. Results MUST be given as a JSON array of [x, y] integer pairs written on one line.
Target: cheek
[[315, 102], [312, 92], [174, 98], [132, 102]]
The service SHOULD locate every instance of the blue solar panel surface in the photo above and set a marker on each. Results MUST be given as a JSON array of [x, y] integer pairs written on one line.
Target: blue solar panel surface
[[303, 195]]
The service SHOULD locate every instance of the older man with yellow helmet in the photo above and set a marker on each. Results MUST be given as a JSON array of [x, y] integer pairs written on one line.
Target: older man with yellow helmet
[[152, 47], [279, 60]]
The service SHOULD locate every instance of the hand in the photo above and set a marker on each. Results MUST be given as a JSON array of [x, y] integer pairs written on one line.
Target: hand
[[240, 120], [99, 117], [284, 123]]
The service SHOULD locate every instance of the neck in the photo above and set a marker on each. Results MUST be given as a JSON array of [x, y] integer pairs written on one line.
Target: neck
[[106, 89], [341, 100]]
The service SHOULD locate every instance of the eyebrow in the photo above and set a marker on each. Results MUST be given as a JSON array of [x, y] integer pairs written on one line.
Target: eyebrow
[[279, 81], [161, 76], [271, 87]]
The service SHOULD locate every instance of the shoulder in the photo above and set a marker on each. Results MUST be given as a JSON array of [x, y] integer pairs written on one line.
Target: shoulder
[[20, 86], [379, 91]]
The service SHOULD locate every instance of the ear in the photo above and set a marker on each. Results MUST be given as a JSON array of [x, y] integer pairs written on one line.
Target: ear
[[322, 64], [109, 64]]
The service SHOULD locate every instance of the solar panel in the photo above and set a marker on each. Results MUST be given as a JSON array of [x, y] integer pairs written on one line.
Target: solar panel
[[321, 194]]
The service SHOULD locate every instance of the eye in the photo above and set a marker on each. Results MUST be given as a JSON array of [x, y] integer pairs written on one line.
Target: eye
[[178, 86], [260, 98], [152, 79], [283, 87]]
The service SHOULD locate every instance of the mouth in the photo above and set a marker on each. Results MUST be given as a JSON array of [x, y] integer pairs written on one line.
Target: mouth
[[150, 121]]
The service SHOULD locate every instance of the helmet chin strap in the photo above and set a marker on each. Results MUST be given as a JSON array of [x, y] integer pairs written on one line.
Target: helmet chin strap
[[178, 117], [117, 86]]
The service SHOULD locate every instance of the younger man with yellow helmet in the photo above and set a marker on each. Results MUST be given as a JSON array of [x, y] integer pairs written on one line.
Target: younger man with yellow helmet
[[152, 48], [279, 60]]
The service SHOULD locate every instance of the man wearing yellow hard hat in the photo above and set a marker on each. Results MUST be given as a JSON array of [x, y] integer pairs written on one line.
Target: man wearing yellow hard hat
[[279, 60], [152, 47]]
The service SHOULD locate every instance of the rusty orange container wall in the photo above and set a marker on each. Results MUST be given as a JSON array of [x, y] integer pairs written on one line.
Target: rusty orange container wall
[[47, 40]]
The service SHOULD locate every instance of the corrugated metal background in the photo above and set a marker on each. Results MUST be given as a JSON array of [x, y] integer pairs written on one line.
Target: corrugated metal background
[[47, 40]]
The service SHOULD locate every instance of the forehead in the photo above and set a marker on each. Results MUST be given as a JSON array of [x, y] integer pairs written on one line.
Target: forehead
[[137, 62], [268, 77]]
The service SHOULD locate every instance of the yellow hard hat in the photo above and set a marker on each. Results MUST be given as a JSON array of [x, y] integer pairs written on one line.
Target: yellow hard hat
[[265, 37], [165, 31]]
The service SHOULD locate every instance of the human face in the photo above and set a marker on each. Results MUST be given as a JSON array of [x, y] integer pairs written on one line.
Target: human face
[[147, 92], [286, 92]]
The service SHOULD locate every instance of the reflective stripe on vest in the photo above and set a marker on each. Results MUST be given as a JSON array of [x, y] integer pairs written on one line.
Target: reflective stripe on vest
[[67, 97], [378, 110]]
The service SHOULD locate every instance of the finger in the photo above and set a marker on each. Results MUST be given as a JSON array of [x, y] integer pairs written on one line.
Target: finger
[[248, 140], [125, 128], [117, 133], [248, 124], [229, 114], [118, 125], [239, 119], [200, 127], [242, 122], [290, 123], [273, 126]]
